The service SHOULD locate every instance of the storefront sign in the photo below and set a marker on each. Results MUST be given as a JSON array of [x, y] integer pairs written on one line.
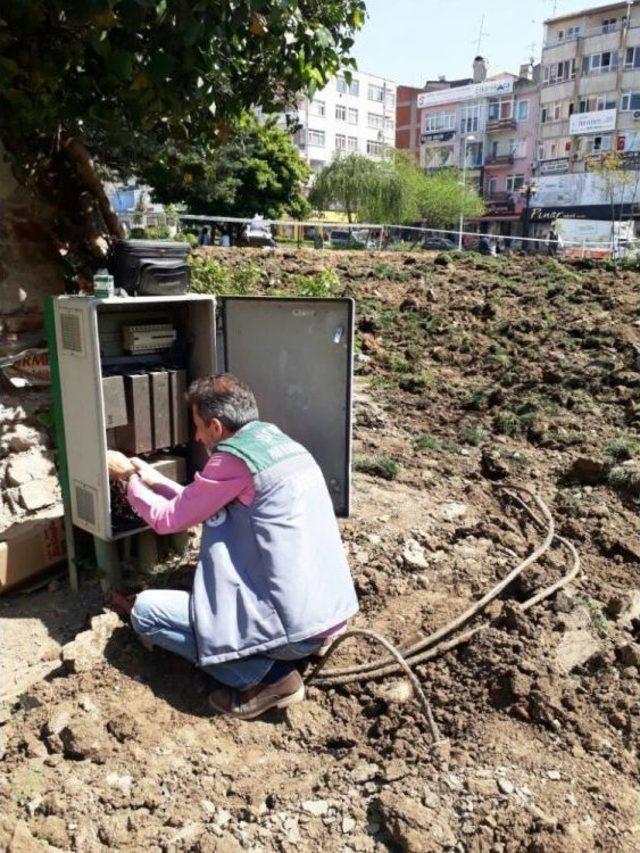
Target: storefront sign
[[552, 167], [488, 89], [437, 136], [587, 211], [594, 122]]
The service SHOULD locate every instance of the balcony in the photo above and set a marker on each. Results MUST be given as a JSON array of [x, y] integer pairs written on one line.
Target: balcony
[[496, 124], [504, 203], [499, 158], [590, 32]]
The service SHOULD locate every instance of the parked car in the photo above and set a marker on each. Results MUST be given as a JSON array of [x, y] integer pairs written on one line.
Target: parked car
[[257, 233], [346, 239], [439, 244]]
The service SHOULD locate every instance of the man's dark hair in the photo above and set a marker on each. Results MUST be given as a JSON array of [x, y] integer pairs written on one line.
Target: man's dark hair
[[223, 397]]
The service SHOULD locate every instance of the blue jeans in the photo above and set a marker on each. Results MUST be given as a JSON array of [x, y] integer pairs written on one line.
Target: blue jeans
[[161, 616]]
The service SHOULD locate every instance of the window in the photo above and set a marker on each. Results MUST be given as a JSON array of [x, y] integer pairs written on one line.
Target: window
[[316, 137], [341, 85], [375, 93], [505, 149], [390, 99], [374, 148], [341, 112], [600, 63], [389, 125], [317, 108], [500, 109], [573, 32], [514, 183], [352, 143], [630, 141], [597, 103], [609, 25], [492, 186], [630, 102], [632, 57], [519, 148], [558, 72], [375, 121], [598, 144], [354, 88], [469, 119], [341, 141], [437, 158], [522, 111], [317, 166], [474, 154], [352, 116], [552, 112], [437, 122]]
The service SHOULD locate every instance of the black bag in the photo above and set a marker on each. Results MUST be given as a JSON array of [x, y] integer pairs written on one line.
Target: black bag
[[152, 267]]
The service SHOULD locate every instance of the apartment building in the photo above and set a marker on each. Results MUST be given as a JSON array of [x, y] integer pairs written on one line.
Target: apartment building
[[589, 105], [408, 120], [347, 116], [486, 125]]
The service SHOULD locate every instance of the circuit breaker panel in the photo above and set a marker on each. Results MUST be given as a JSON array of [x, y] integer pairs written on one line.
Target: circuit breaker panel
[[126, 363]]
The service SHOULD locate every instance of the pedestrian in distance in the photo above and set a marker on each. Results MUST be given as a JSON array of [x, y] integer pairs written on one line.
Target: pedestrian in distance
[[204, 238]]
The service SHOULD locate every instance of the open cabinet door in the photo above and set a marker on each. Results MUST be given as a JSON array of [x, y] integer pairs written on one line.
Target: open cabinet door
[[297, 355]]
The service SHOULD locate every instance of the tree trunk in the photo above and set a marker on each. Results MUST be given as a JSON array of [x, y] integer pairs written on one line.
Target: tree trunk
[[81, 159]]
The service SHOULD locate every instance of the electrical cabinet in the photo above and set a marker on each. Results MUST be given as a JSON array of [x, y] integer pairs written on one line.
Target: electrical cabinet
[[124, 366]]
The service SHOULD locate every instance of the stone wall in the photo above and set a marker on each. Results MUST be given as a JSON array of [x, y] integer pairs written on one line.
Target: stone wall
[[28, 273]]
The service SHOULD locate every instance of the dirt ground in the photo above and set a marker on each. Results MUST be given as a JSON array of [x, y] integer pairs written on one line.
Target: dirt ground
[[471, 372]]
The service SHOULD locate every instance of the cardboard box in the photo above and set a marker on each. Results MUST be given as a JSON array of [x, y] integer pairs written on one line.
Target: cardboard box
[[30, 547]]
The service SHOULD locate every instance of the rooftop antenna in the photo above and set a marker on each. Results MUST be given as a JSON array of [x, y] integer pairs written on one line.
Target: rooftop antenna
[[554, 7], [481, 35], [532, 48]]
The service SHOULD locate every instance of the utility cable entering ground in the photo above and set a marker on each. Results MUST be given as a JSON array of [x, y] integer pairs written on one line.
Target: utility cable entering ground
[[402, 660]]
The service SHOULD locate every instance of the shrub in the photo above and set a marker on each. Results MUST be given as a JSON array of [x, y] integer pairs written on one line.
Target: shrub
[[622, 447], [377, 466]]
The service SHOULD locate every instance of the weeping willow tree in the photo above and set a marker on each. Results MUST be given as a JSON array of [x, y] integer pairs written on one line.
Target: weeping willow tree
[[347, 183], [394, 191]]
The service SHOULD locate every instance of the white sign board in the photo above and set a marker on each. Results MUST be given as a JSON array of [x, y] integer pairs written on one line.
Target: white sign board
[[488, 89], [585, 188], [593, 231], [595, 122]]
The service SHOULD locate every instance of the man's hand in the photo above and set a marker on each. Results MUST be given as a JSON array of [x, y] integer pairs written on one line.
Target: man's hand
[[120, 468], [146, 472]]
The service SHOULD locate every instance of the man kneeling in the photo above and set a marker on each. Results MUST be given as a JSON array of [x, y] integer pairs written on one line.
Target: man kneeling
[[272, 583]]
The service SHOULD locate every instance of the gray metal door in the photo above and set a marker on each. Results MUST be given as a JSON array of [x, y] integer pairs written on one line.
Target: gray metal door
[[297, 356]]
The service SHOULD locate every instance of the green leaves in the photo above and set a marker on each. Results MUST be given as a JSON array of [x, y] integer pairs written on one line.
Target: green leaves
[[130, 77], [257, 170]]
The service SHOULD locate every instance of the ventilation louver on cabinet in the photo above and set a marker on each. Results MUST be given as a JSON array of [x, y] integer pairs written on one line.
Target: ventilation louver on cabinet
[[85, 504], [72, 339]]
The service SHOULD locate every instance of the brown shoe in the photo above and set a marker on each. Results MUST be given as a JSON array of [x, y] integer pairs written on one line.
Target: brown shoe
[[247, 704]]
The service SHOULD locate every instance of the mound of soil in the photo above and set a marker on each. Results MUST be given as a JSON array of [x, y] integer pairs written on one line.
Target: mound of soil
[[470, 372]]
